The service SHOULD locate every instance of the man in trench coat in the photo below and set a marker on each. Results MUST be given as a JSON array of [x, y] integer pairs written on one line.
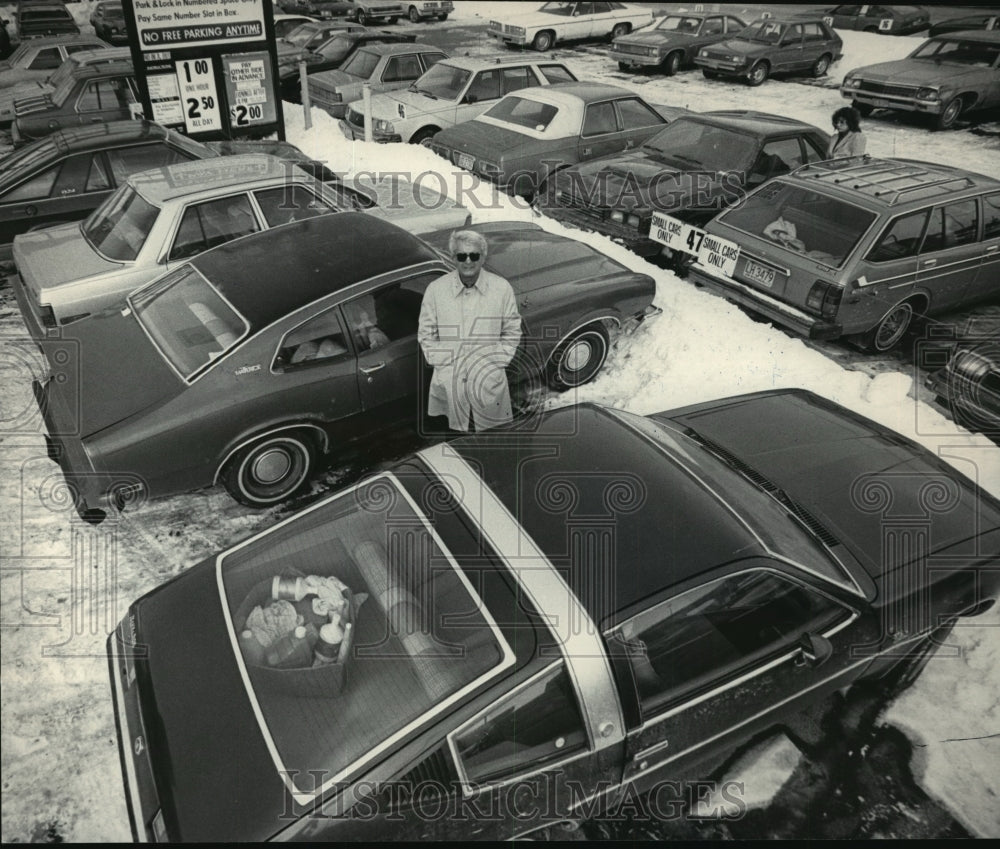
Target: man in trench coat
[[469, 331]]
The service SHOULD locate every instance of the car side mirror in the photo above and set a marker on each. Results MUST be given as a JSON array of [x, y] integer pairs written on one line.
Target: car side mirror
[[814, 650], [469, 98]]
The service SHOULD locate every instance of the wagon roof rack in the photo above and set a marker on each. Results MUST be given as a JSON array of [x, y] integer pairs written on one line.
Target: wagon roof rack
[[888, 180]]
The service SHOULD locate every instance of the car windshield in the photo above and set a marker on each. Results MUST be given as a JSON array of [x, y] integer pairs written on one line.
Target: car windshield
[[414, 634], [564, 9], [337, 47], [522, 112], [20, 162], [187, 319], [678, 23], [692, 145], [362, 64], [826, 229], [766, 32], [442, 81], [771, 520], [62, 73], [301, 34], [119, 227], [114, 13], [973, 53], [317, 39]]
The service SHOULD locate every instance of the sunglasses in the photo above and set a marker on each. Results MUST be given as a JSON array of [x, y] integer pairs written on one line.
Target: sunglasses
[[472, 257]]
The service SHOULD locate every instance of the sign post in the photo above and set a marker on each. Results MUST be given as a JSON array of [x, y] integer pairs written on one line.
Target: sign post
[[207, 67]]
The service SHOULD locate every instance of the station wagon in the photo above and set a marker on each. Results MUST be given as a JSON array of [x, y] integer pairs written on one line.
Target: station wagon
[[567, 21], [554, 622], [857, 247]]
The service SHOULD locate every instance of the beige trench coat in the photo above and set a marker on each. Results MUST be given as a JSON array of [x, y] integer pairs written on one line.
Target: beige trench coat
[[469, 336]]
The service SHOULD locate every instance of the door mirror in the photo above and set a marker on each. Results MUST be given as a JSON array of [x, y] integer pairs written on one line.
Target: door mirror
[[469, 98], [814, 650]]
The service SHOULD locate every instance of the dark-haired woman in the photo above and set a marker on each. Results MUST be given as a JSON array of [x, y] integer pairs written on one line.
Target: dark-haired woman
[[848, 140]]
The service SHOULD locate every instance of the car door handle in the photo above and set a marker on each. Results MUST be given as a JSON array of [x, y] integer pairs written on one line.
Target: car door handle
[[370, 369], [587, 151], [929, 263], [651, 750]]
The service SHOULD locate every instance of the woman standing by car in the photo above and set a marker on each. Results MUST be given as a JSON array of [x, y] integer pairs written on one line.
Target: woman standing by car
[[847, 140]]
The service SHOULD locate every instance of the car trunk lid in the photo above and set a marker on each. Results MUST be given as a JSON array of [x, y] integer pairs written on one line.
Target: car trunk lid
[[54, 256]]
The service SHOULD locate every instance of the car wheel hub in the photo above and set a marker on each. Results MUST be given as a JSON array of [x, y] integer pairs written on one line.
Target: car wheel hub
[[271, 466], [577, 356]]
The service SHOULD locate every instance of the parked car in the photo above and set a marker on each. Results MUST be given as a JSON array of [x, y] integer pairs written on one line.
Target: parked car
[[696, 166], [857, 247], [288, 357], [309, 36], [969, 386], [93, 94], [735, 581], [162, 217], [284, 25], [421, 10], [951, 25], [108, 21], [37, 58], [946, 77], [371, 11], [383, 67], [673, 41], [552, 22], [528, 136], [888, 20], [27, 91], [67, 175], [771, 46], [44, 18], [331, 54], [452, 91], [328, 8]]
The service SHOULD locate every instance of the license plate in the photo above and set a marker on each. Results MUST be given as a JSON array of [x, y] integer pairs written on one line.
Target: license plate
[[466, 161], [879, 102], [756, 273], [676, 234]]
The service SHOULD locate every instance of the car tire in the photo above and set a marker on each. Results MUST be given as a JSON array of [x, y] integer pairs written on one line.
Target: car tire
[[758, 74], [890, 328], [821, 65], [543, 41], [414, 15], [672, 63], [908, 670], [391, 19], [423, 136], [620, 29], [270, 470], [362, 17], [443, 17], [949, 115], [864, 109], [578, 359], [624, 66], [871, 29]]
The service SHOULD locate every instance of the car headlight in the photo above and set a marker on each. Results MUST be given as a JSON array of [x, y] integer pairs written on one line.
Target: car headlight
[[496, 25], [852, 82], [380, 125], [632, 220], [703, 53], [928, 94], [617, 216]]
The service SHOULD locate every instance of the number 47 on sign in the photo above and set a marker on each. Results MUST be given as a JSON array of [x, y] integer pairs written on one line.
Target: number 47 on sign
[[676, 234]]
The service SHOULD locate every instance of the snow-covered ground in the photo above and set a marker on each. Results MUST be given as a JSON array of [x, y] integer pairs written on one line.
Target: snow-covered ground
[[64, 585]]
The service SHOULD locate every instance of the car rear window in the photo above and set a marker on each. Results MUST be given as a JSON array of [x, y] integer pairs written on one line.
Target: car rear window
[[187, 319], [419, 638], [362, 64], [693, 145], [119, 227], [822, 227], [974, 53], [523, 112]]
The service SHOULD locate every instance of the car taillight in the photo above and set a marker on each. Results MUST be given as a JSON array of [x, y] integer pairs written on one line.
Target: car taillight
[[824, 298]]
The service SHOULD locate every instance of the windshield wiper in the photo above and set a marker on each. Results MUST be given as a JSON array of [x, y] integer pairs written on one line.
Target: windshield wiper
[[416, 90], [684, 158]]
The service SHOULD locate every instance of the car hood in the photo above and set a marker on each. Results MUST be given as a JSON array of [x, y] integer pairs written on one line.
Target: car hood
[[118, 372], [57, 255], [485, 140], [916, 72], [655, 39], [331, 80], [386, 105], [862, 482], [215, 779], [625, 182], [740, 47]]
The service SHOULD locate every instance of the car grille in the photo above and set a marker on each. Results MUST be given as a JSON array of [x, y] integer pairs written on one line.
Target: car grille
[[882, 88], [635, 49], [321, 96], [355, 119], [571, 201]]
